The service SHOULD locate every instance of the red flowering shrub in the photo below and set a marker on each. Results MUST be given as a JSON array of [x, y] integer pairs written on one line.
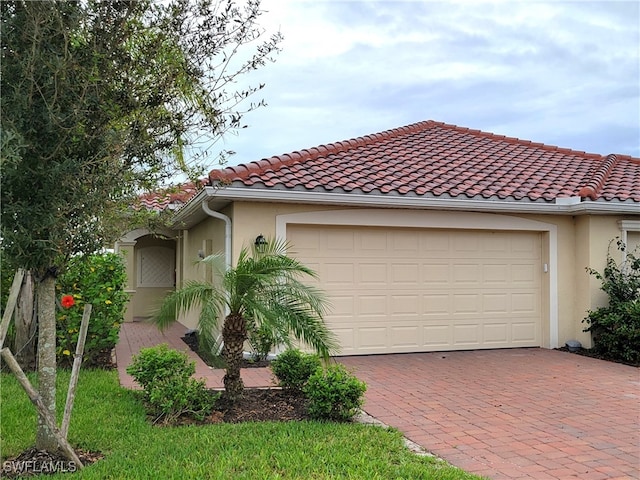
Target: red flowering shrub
[[67, 301], [97, 279]]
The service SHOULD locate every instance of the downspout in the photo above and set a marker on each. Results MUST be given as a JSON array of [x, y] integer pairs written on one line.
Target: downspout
[[227, 245], [227, 231]]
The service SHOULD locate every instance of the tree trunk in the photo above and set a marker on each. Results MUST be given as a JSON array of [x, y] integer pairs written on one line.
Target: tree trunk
[[45, 438], [234, 333], [25, 345]]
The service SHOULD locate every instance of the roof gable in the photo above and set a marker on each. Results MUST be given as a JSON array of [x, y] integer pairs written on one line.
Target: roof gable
[[436, 160]]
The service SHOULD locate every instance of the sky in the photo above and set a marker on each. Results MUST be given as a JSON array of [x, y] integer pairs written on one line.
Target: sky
[[555, 72]]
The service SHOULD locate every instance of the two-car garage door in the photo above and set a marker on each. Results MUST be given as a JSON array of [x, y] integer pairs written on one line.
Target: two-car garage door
[[419, 289]]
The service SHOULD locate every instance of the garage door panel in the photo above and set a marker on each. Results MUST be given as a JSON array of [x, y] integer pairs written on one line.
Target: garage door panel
[[525, 274], [467, 274], [372, 305], [436, 274], [465, 244], [372, 338], [524, 333], [466, 303], [525, 244], [372, 273], [439, 335], [346, 338], [405, 337], [435, 242], [342, 306], [436, 304], [495, 244], [494, 303], [404, 245], [340, 241], [633, 243], [466, 334], [404, 305], [495, 334], [525, 303], [405, 274], [495, 275], [400, 290], [339, 274], [373, 244]]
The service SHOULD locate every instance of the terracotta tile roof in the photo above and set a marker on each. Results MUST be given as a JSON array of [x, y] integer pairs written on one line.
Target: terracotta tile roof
[[437, 160], [171, 198]]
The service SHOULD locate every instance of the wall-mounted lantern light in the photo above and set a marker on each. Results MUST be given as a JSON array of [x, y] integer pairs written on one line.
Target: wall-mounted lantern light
[[260, 243]]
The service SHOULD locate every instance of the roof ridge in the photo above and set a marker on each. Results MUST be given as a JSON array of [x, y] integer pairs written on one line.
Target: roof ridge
[[243, 171], [593, 187], [517, 141]]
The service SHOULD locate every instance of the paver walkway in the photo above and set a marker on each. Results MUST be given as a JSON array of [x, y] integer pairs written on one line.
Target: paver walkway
[[506, 414], [512, 414], [137, 335]]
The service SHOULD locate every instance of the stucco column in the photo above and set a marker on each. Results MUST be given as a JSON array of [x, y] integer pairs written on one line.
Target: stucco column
[[126, 249]]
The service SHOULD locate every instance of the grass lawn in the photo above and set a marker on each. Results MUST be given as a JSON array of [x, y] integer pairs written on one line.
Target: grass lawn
[[110, 419]]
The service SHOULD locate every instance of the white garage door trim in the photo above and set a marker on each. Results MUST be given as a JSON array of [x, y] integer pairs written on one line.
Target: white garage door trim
[[630, 236], [450, 220]]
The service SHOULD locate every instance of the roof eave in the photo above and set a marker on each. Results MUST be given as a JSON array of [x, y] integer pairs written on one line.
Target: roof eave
[[358, 200], [191, 213]]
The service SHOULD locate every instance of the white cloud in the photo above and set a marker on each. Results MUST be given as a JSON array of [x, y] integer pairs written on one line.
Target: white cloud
[[563, 73]]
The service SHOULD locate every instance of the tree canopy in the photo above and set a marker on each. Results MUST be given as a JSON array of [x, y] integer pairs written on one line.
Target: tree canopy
[[101, 100]]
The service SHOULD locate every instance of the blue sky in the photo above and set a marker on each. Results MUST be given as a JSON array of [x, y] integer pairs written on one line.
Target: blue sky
[[555, 72]]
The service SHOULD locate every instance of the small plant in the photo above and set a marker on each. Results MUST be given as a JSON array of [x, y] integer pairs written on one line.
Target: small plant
[[262, 339], [293, 368], [615, 329], [170, 391], [334, 393]]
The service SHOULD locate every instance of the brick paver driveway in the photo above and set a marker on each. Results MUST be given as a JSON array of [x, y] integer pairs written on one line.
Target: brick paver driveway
[[511, 414]]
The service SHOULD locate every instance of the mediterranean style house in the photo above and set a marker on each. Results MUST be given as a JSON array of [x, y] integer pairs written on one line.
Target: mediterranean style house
[[427, 237]]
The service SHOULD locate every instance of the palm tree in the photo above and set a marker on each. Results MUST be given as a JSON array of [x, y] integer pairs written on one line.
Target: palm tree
[[264, 289]]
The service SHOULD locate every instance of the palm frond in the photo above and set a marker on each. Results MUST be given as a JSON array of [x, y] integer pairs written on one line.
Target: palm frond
[[267, 288], [194, 294]]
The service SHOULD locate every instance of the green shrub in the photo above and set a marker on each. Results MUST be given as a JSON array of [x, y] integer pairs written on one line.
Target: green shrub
[[165, 375], [615, 329], [173, 397], [334, 393], [293, 368], [160, 362], [99, 280]]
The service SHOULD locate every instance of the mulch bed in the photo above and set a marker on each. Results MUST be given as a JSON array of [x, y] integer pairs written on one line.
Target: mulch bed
[[191, 340], [261, 405], [589, 352]]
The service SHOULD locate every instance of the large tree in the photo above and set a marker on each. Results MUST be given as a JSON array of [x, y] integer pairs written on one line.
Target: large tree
[[99, 101]]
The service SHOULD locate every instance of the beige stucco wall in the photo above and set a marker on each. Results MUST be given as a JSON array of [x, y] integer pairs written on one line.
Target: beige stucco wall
[[251, 219], [207, 238], [581, 241]]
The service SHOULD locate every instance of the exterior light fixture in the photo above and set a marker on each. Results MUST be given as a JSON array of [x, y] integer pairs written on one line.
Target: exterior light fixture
[[260, 243]]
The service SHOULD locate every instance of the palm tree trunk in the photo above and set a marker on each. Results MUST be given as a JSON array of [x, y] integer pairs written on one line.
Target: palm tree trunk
[[234, 333]]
